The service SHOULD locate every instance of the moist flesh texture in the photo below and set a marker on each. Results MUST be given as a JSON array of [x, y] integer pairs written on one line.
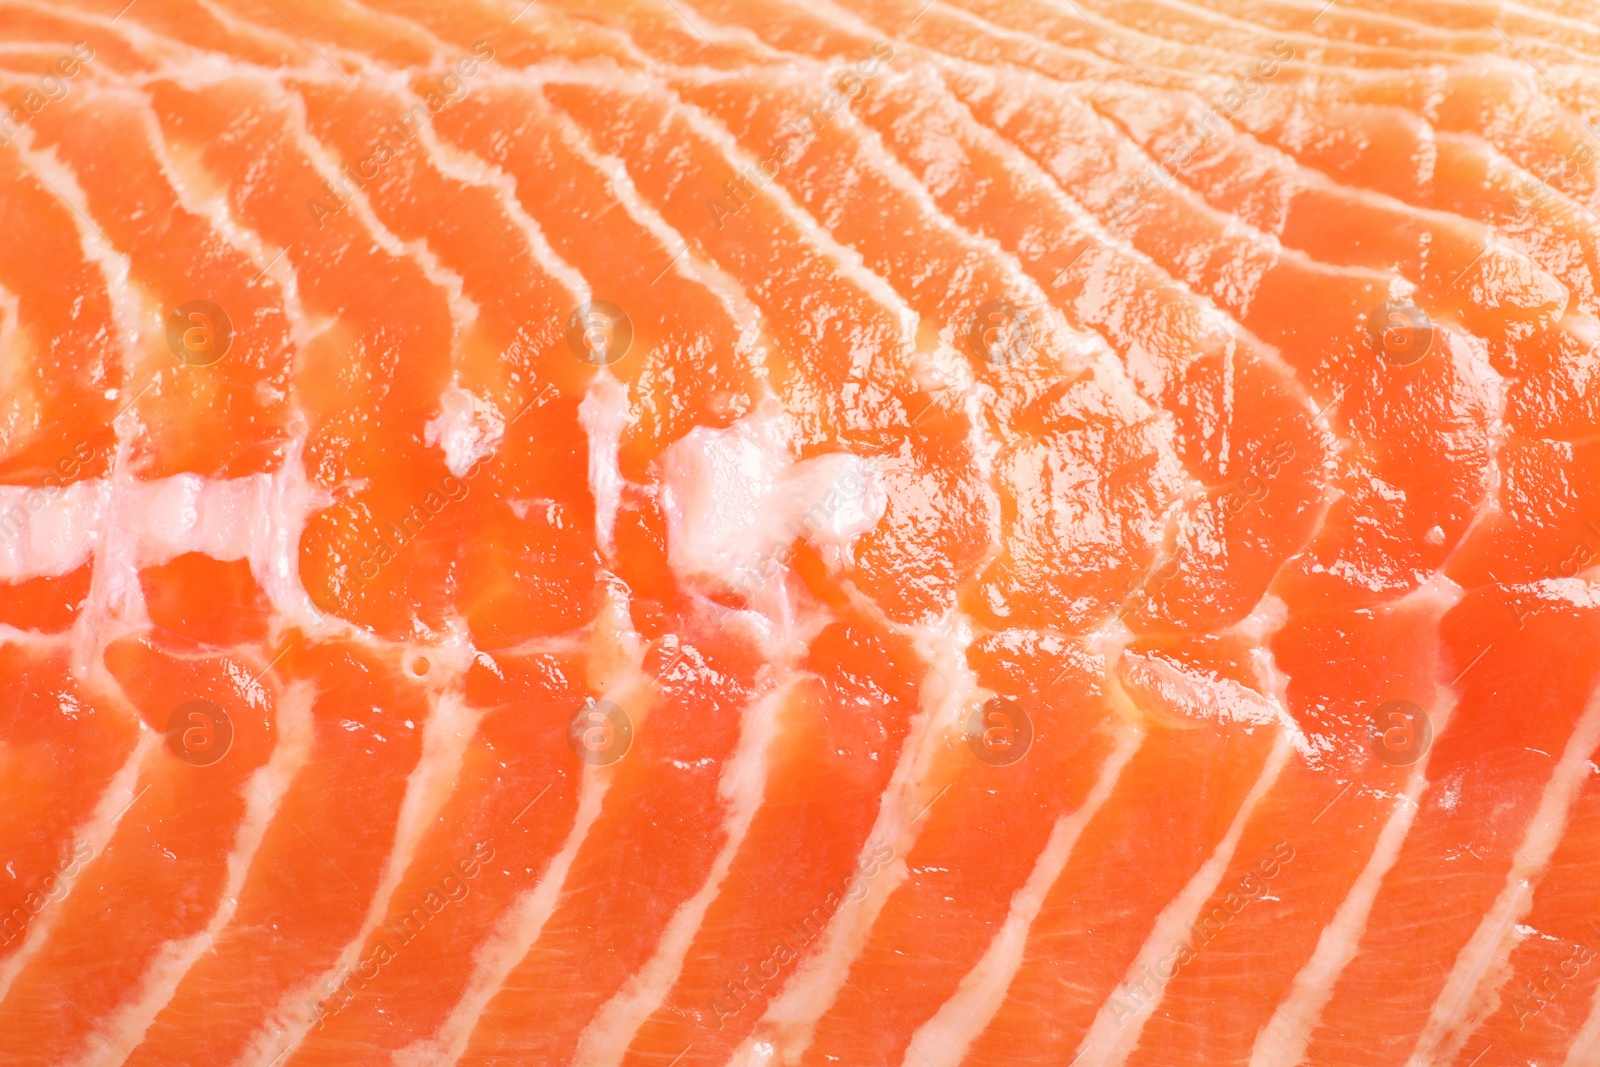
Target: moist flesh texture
[[758, 532]]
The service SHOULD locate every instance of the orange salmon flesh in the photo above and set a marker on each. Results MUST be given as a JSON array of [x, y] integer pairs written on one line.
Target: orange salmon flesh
[[799, 533]]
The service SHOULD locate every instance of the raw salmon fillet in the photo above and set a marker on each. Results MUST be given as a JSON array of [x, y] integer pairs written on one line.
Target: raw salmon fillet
[[799, 533]]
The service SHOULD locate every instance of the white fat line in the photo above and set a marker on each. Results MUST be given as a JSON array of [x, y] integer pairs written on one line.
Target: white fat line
[[1029, 172], [1017, 160], [31, 49], [1118, 379], [1264, 36], [52, 531], [804, 70], [1074, 342], [214, 208], [198, 76], [257, 517], [1228, 231], [603, 415], [1471, 992], [1276, 123], [115, 535], [810, 233], [290, 495], [1284, 174], [1283, 1041], [118, 799], [295, 43], [605, 1040], [728, 291], [1097, 237], [1430, 84], [1093, 230], [738, 36], [1554, 19], [456, 163], [1070, 343], [951, 61], [944, 1039], [1175, 58], [448, 731], [1267, 125], [278, 570], [291, 42], [38, 641], [279, 266], [291, 499], [1476, 365], [463, 309], [942, 367], [786, 1029], [441, 49], [132, 35], [616, 657], [125, 1027], [115, 601], [498, 954], [914, 785], [1585, 1048], [1114, 1033]]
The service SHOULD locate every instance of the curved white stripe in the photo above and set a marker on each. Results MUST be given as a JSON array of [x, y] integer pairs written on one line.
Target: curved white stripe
[[449, 729], [1283, 1041], [1115, 1032], [513, 936], [120, 797], [1469, 993], [617, 649], [604, 1042], [126, 1026], [115, 599], [786, 1027], [943, 1040]]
